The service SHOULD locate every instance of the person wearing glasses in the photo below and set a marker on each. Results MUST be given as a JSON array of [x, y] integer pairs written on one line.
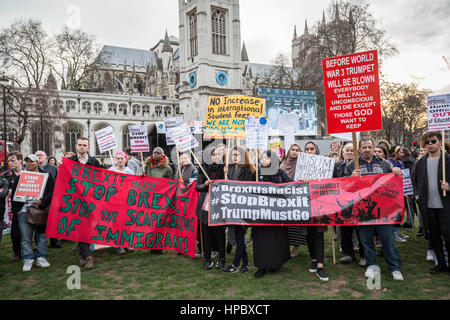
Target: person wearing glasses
[[429, 185]]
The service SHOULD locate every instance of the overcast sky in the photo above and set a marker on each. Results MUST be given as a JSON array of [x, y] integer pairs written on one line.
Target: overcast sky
[[420, 29]]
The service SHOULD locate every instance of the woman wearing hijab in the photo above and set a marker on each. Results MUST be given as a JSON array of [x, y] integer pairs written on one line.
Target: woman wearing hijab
[[297, 234], [270, 243], [209, 234], [315, 234]]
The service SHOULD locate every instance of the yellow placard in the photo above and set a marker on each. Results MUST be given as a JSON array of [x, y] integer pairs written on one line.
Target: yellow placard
[[225, 116]]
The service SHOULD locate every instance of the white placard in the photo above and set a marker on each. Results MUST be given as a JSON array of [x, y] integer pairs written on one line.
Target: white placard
[[439, 112], [310, 166], [183, 138], [407, 183], [170, 123], [256, 136], [106, 140], [138, 138]]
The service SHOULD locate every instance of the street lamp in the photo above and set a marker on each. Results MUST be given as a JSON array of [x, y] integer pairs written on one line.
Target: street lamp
[[89, 132], [4, 83]]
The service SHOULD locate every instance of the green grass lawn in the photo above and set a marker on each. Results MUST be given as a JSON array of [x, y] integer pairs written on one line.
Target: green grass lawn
[[140, 275]]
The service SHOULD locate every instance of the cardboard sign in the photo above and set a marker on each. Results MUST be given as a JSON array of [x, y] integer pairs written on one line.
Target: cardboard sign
[[256, 133], [139, 139], [170, 123], [31, 186], [275, 146], [310, 166], [225, 116], [407, 183], [106, 139], [352, 92], [108, 208], [439, 112], [183, 138], [372, 199]]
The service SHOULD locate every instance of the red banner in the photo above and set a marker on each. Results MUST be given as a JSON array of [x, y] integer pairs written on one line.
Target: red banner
[[104, 207], [352, 92], [370, 199]]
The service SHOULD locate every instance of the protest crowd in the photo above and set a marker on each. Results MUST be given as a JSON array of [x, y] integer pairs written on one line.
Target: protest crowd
[[272, 245]]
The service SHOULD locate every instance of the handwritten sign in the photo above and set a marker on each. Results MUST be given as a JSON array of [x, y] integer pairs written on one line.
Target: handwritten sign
[[225, 116], [310, 166], [256, 133]]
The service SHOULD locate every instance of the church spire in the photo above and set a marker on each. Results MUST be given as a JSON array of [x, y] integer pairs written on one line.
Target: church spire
[[167, 47], [323, 18], [295, 32], [244, 55], [306, 28]]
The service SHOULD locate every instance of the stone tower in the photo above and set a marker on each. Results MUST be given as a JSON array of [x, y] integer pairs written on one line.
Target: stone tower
[[210, 53]]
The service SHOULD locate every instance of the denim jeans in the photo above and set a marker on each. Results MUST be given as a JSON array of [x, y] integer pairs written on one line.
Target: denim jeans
[[26, 242], [386, 235]]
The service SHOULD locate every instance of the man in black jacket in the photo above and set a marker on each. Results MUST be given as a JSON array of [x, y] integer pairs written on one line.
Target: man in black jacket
[[428, 188], [82, 156], [15, 160]]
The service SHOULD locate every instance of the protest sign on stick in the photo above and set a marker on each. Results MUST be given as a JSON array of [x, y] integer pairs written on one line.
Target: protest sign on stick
[[310, 166], [31, 186], [275, 146], [439, 119], [171, 123], [352, 92], [139, 140], [225, 116], [106, 141]]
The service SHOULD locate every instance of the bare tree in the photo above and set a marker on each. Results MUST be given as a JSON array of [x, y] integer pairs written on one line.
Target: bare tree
[[25, 57], [348, 27], [75, 53], [404, 109]]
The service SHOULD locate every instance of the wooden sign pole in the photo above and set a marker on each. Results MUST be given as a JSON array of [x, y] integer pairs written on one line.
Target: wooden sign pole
[[112, 159], [355, 150], [333, 249], [256, 164], [142, 162]]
